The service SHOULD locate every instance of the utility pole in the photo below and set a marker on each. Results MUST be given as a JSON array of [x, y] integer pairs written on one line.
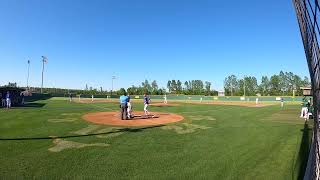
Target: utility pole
[[113, 78], [244, 86], [231, 89], [44, 60], [28, 74]]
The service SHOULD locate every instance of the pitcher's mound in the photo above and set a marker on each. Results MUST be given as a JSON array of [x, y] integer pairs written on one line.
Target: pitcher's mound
[[113, 119]]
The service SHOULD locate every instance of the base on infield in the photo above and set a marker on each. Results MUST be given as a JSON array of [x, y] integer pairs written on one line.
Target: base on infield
[[139, 119]]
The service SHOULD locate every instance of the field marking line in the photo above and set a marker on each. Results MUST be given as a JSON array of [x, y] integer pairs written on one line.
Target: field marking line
[[61, 144]]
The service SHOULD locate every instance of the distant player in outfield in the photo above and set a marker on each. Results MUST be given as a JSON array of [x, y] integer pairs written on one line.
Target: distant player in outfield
[[282, 102], [129, 109], [257, 101], [146, 101], [310, 109], [165, 99], [70, 97], [8, 99], [3, 100], [22, 98], [92, 98]]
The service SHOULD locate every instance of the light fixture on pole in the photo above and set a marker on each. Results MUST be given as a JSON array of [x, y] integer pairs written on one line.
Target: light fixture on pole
[[44, 60]]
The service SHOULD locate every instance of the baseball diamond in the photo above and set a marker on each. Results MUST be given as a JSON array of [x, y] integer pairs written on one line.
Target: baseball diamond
[[159, 89]]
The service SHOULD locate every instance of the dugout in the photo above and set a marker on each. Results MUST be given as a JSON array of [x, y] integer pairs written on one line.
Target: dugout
[[15, 94], [307, 91]]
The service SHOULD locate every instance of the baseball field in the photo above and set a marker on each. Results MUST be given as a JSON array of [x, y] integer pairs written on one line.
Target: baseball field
[[50, 139]]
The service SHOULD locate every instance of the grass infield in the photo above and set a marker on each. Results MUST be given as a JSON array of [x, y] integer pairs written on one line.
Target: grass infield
[[49, 140]]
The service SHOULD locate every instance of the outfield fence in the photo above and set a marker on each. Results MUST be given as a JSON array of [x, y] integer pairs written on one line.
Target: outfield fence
[[224, 98], [180, 97], [308, 12]]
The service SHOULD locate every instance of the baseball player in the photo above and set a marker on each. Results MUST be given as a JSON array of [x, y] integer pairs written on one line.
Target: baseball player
[[304, 108], [3, 98], [8, 100], [70, 97], [165, 99], [129, 108], [146, 101]]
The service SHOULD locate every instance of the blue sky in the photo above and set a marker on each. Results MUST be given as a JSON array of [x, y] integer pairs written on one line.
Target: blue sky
[[87, 42]]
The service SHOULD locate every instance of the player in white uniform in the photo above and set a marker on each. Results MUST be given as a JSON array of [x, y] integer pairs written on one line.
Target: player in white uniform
[[146, 101], [165, 99], [129, 109], [8, 99]]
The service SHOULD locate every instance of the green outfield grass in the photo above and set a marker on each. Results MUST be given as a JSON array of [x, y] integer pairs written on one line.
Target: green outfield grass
[[49, 140]]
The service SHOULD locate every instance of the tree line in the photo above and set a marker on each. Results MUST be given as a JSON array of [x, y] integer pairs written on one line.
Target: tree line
[[282, 84], [145, 87], [191, 87]]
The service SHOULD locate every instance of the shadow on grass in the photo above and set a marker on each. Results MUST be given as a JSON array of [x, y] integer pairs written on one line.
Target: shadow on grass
[[132, 130], [37, 97], [302, 159], [32, 105]]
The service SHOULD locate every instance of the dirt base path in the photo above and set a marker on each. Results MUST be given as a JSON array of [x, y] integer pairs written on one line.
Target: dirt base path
[[113, 119], [233, 103], [164, 105]]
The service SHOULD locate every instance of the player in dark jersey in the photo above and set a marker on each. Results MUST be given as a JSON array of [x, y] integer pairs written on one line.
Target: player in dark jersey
[[146, 101]]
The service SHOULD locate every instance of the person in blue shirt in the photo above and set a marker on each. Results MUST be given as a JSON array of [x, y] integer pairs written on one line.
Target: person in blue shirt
[[124, 106]]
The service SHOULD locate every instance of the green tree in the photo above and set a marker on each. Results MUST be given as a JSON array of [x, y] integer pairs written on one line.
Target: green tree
[[208, 87], [154, 86], [231, 85], [122, 91], [306, 81], [282, 82], [173, 85], [186, 85], [147, 87], [275, 85], [264, 87], [169, 86], [251, 85], [179, 87]]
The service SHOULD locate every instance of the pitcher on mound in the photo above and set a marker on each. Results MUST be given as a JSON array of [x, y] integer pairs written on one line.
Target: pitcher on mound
[[146, 101]]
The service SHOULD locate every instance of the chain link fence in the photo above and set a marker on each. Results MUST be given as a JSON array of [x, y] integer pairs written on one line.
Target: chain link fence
[[308, 12]]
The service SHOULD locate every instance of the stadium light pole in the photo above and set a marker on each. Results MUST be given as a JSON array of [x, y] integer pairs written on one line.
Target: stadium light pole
[[28, 74], [113, 78], [44, 60], [244, 86]]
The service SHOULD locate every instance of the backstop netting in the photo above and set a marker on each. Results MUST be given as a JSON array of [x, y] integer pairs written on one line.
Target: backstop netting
[[308, 13]]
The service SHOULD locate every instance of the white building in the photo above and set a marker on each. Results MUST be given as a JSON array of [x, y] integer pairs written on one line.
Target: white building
[[221, 93]]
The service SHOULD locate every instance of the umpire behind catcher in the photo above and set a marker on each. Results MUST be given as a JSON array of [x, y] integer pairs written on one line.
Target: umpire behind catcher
[[124, 99]]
